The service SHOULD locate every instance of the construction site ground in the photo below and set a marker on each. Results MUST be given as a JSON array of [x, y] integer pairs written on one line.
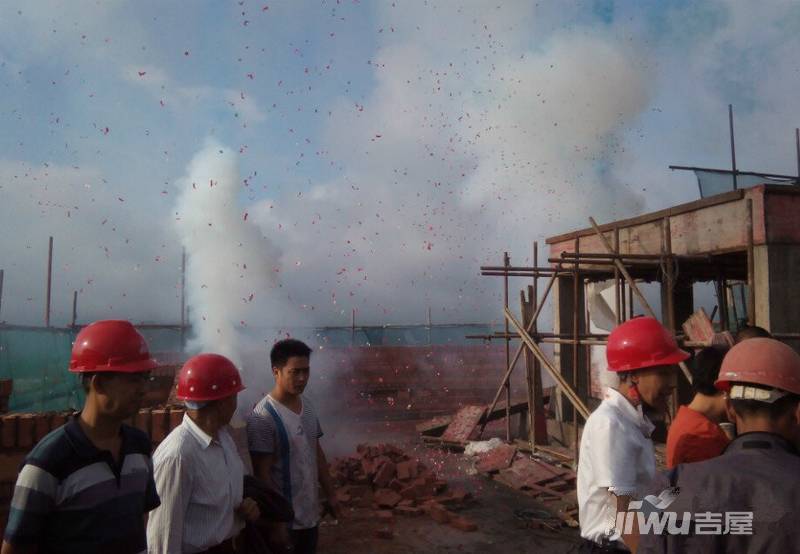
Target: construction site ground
[[502, 516]]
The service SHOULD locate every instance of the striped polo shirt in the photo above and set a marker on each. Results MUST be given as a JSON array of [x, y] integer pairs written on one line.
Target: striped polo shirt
[[294, 470], [71, 497]]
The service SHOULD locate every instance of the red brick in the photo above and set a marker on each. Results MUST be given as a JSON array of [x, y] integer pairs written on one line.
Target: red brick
[[357, 491], [411, 492], [365, 500], [25, 425], [175, 417], [384, 516], [142, 420], [42, 426], [438, 512], [58, 420], [496, 459], [463, 524], [396, 485], [463, 423], [160, 423], [404, 470], [384, 475], [367, 467], [384, 533], [387, 498], [455, 497], [8, 439], [439, 486], [412, 511], [419, 488]]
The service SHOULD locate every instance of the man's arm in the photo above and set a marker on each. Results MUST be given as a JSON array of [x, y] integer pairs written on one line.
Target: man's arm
[[325, 481], [33, 501], [165, 524], [631, 539]]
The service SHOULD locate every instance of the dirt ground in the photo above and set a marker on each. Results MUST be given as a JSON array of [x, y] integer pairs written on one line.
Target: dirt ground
[[497, 510]]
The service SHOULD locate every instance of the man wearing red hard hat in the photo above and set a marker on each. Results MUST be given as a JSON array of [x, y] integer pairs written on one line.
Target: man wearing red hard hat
[[617, 462], [748, 498], [198, 471], [87, 486]]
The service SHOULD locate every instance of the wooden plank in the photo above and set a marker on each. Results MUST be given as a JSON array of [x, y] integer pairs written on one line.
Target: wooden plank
[[724, 198], [557, 377]]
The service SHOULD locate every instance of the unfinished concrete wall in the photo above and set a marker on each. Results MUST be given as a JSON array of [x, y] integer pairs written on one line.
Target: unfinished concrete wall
[[777, 298]]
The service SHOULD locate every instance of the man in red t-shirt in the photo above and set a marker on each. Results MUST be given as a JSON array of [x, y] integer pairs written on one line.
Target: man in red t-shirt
[[695, 434]]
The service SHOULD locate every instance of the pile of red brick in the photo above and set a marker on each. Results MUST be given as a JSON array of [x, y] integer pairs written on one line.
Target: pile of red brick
[[384, 478]]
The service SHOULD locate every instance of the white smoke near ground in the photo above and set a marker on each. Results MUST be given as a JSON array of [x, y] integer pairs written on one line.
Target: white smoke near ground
[[232, 269]]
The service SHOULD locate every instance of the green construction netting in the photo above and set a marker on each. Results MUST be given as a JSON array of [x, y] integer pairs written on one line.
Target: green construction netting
[[37, 360]]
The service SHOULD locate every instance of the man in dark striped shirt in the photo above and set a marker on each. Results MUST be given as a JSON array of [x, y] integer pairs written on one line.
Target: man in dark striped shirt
[[87, 486]]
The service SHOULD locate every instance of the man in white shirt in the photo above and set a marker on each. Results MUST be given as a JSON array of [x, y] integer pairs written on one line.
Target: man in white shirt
[[617, 462], [198, 471], [283, 435]]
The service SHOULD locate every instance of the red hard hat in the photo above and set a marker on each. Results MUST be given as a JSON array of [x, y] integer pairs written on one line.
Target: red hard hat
[[761, 361], [642, 342], [208, 377], [110, 345]]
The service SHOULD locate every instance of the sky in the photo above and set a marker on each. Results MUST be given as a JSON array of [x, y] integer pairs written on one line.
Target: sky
[[356, 155]]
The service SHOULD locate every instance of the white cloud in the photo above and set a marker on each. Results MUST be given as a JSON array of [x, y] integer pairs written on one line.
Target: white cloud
[[104, 247]]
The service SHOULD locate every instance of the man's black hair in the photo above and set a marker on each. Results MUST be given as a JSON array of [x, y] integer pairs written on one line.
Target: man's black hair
[[86, 380], [752, 332], [285, 349], [705, 370], [775, 410]]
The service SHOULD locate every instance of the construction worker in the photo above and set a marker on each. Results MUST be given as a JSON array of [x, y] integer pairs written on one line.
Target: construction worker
[[283, 434], [695, 433], [87, 486], [748, 498], [198, 471], [617, 461]]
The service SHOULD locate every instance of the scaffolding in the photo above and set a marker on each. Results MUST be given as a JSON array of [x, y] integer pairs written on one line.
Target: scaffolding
[[732, 268]]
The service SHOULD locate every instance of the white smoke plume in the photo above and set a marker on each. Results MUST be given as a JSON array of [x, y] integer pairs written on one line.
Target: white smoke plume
[[449, 165], [231, 271]]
